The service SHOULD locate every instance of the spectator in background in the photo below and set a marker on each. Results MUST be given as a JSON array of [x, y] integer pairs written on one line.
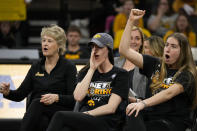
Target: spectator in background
[[153, 46], [137, 82], [7, 39], [162, 18], [121, 18], [50, 82], [190, 6], [182, 26], [74, 50], [100, 10], [118, 8], [120, 23], [20, 30]]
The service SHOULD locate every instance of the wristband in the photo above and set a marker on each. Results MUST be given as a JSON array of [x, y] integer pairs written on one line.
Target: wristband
[[57, 98], [145, 105], [138, 100]]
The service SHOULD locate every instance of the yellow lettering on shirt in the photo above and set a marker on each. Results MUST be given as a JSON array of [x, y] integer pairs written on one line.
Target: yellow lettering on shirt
[[96, 91], [166, 86], [72, 56], [101, 91], [39, 74]]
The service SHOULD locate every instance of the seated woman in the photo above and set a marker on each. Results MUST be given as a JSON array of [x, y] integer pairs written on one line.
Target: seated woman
[[153, 46], [137, 82], [101, 88], [174, 82], [162, 17], [182, 25], [50, 82]]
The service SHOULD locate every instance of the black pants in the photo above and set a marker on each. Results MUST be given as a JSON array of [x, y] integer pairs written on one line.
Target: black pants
[[141, 123], [38, 115], [76, 121]]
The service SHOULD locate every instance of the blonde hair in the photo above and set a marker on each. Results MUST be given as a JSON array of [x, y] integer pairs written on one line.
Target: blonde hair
[[141, 34], [185, 62], [56, 33], [156, 45]]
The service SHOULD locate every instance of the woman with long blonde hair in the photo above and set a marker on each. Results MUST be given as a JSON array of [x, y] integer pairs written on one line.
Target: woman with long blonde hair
[[153, 46]]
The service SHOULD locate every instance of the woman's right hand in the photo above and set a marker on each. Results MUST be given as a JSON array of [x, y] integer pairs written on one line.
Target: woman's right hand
[[135, 107], [5, 88], [136, 14], [94, 64]]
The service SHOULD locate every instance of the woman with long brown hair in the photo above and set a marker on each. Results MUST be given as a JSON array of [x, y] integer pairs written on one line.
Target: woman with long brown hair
[[174, 82]]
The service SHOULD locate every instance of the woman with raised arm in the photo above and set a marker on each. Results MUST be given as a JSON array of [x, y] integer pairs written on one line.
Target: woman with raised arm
[[173, 83], [101, 88], [137, 82]]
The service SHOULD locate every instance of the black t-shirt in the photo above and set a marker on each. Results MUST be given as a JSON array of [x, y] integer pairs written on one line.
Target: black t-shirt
[[179, 106], [100, 89], [82, 53], [7, 41]]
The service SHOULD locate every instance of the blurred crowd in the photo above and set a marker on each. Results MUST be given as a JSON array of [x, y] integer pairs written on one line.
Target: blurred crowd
[[163, 17]]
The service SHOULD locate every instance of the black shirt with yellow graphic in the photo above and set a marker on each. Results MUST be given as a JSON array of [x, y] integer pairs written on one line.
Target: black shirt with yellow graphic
[[179, 106], [82, 53], [102, 86]]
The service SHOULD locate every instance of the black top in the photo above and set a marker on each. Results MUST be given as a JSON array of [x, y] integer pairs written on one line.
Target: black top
[[7, 41], [82, 53], [61, 80], [100, 89], [179, 106]]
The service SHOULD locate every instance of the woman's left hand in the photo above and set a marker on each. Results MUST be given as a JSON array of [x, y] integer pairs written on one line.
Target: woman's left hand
[[49, 99], [131, 108]]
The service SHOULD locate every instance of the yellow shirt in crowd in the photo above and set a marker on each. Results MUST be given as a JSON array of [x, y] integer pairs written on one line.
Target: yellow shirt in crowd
[[191, 37], [120, 22]]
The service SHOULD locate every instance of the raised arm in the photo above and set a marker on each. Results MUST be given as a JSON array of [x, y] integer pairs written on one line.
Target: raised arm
[[124, 48], [154, 22]]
